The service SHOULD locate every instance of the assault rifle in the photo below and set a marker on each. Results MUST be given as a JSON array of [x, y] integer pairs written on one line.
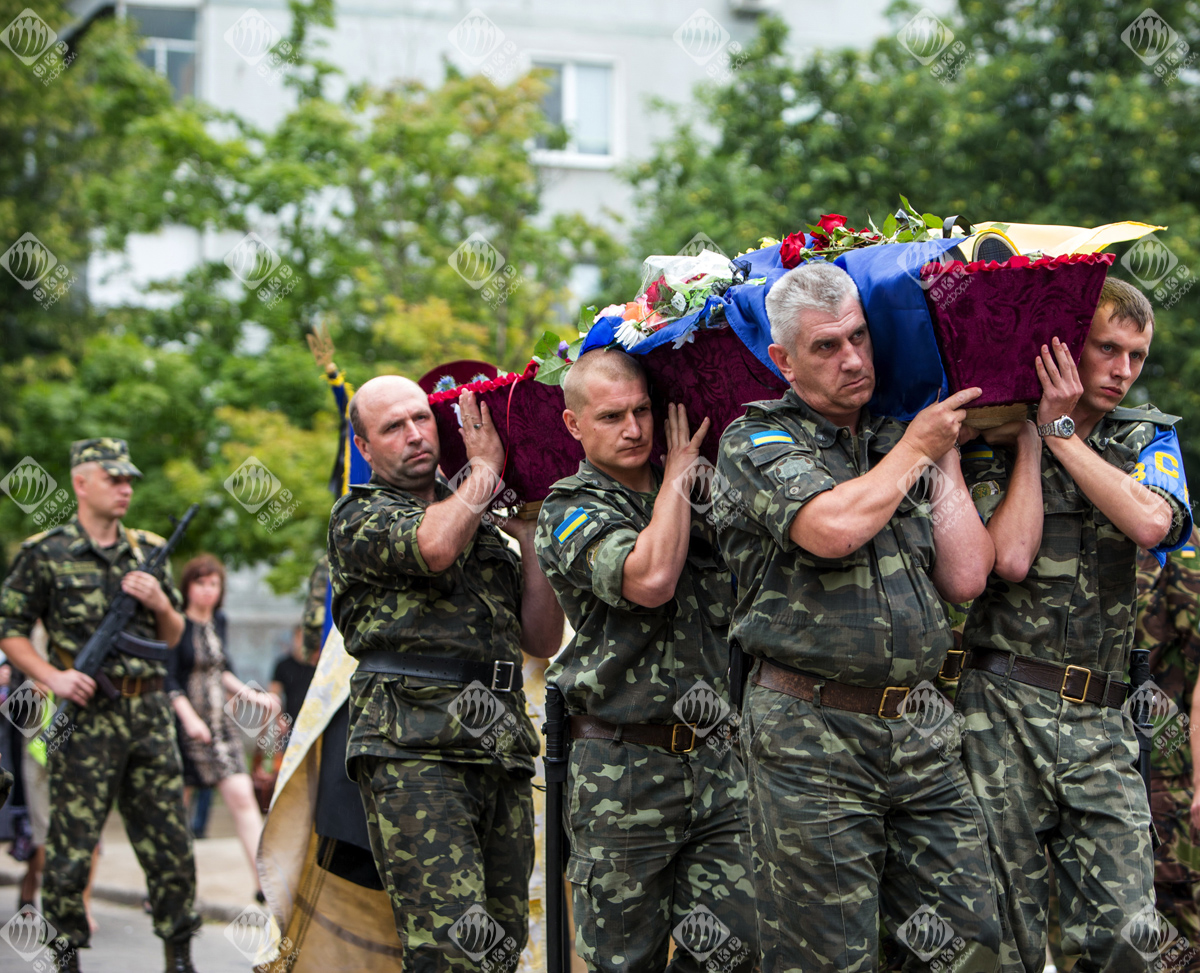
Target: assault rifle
[[111, 635], [1141, 711]]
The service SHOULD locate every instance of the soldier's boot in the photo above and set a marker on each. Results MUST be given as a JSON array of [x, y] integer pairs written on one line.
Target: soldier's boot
[[179, 956]]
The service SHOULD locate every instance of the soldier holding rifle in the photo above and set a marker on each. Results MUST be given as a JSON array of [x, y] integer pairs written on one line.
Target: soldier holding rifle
[[121, 749]]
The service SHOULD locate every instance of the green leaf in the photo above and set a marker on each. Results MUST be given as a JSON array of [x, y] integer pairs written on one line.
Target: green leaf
[[933, 221], [890, 225], [587, 315], [574, 348], [551, 371], [547, 346]]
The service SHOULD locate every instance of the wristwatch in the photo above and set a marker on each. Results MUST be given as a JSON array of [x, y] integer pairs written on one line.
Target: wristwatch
[[1063, 427]]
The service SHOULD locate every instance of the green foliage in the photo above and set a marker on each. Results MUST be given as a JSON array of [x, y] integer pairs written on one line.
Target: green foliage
[[1051, 119]]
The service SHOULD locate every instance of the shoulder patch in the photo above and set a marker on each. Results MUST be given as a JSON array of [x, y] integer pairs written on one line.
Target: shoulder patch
[[988, 488], [978, 452], [40, 536], [770, 437], [576, 517], [1188, 550], [149, 537]]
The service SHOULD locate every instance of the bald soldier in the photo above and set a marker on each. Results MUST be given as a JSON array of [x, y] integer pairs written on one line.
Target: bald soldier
[[437, 609], [660, 839]]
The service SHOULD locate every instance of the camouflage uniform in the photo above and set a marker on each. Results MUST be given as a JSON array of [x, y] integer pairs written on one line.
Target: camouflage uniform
[[659, 840], [123, 749], [1168, 624], [449, 806], [314, 609], [1052, 774], [853, 815]]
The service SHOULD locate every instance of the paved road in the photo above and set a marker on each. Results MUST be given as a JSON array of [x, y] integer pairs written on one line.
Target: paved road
[[125, 943]]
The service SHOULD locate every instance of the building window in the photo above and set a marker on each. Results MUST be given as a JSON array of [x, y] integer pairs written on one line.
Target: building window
[[580, 100], [169, 47]]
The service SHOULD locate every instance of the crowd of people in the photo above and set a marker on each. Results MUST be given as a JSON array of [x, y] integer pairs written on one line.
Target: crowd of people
[[784, 755]]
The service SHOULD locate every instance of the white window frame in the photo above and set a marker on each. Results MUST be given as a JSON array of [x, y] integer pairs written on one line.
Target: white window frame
[[160, 45], [569, 158]]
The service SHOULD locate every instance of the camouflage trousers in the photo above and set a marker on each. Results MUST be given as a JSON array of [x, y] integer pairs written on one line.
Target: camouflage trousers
[[122, 750], [1058, 777], [660, 848], [856, 819], [453, 843]]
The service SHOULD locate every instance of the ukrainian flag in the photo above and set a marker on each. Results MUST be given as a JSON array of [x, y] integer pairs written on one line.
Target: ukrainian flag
[[770, 436], [576, 517]]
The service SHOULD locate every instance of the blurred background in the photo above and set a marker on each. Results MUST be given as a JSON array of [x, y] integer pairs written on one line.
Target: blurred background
[[188, 188]]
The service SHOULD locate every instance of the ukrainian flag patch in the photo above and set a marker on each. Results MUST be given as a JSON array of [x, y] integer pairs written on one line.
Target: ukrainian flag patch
[[769, 437], [1188, 550], [978, 452], [576, 517]]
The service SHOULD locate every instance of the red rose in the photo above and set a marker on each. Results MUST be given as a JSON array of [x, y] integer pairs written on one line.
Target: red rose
[[789, 250], [652, 293], [831, 221]]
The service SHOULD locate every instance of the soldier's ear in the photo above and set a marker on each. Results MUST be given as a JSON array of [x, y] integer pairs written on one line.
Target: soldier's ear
[[571, 421], [779, 355]]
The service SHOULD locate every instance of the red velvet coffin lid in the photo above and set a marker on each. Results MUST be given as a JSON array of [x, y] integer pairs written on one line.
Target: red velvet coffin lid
[[992, 319], [715, 375]]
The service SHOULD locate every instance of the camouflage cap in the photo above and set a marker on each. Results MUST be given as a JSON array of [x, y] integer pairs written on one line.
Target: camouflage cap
[[111, 454]]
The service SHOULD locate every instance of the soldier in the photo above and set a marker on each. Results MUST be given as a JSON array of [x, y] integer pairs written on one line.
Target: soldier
[[436, 609], [1168, 625], [657, 815], [120, 749], [314, 609], [845, 533], [1049, 749]]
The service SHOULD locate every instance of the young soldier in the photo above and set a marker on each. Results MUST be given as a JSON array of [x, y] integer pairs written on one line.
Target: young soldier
[[120, 749], [657, 814], [842, 564], [1067, 501], [437, 609]]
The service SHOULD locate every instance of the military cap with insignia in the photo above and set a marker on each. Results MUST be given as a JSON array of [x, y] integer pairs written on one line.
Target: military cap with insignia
[[111, 454]]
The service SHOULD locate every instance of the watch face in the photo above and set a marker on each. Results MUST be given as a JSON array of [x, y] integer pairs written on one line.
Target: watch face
[[1067, 425]]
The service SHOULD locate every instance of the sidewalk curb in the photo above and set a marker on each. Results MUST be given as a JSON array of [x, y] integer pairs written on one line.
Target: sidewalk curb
[[209, 911]]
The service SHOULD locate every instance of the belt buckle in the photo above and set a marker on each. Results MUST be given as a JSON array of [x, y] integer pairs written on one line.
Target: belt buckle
[[884, 698], [137, 684], [496, 687], [957, 674], [675, 748], [1082, 697]]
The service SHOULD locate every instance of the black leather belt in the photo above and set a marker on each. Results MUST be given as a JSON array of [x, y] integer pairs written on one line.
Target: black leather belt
[[500, 677], [1075, 684]]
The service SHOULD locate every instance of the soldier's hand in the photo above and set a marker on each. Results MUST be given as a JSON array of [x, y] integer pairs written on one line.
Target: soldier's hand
[[74, 685], [479, 434], [683, 450], [934, 429], [198, 730], [1061, 387], [146, 589], [1010, 433]]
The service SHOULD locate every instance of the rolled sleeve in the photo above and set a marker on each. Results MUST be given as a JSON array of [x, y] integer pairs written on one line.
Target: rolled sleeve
[[582, 543], [378, 551]]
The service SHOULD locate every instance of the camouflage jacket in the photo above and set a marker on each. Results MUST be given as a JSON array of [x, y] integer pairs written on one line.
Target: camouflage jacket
[[872, 618], [63, 578], [386, 598], [1076, 606], [627, 663], [1168, 625], [314, 609]]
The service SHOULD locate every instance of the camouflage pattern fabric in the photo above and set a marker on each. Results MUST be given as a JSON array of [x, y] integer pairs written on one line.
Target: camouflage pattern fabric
[[111, 454], [63, 578], [872, 618], [314, 609], [1051, 775], [852, 817], [855, 817], [660, 841], [626, 663], [1168, 624], [660, 846], [456, 843], [123, 750], [386, 598]]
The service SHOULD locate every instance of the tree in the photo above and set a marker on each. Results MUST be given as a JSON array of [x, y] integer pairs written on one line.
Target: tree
[[1049, 118]]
